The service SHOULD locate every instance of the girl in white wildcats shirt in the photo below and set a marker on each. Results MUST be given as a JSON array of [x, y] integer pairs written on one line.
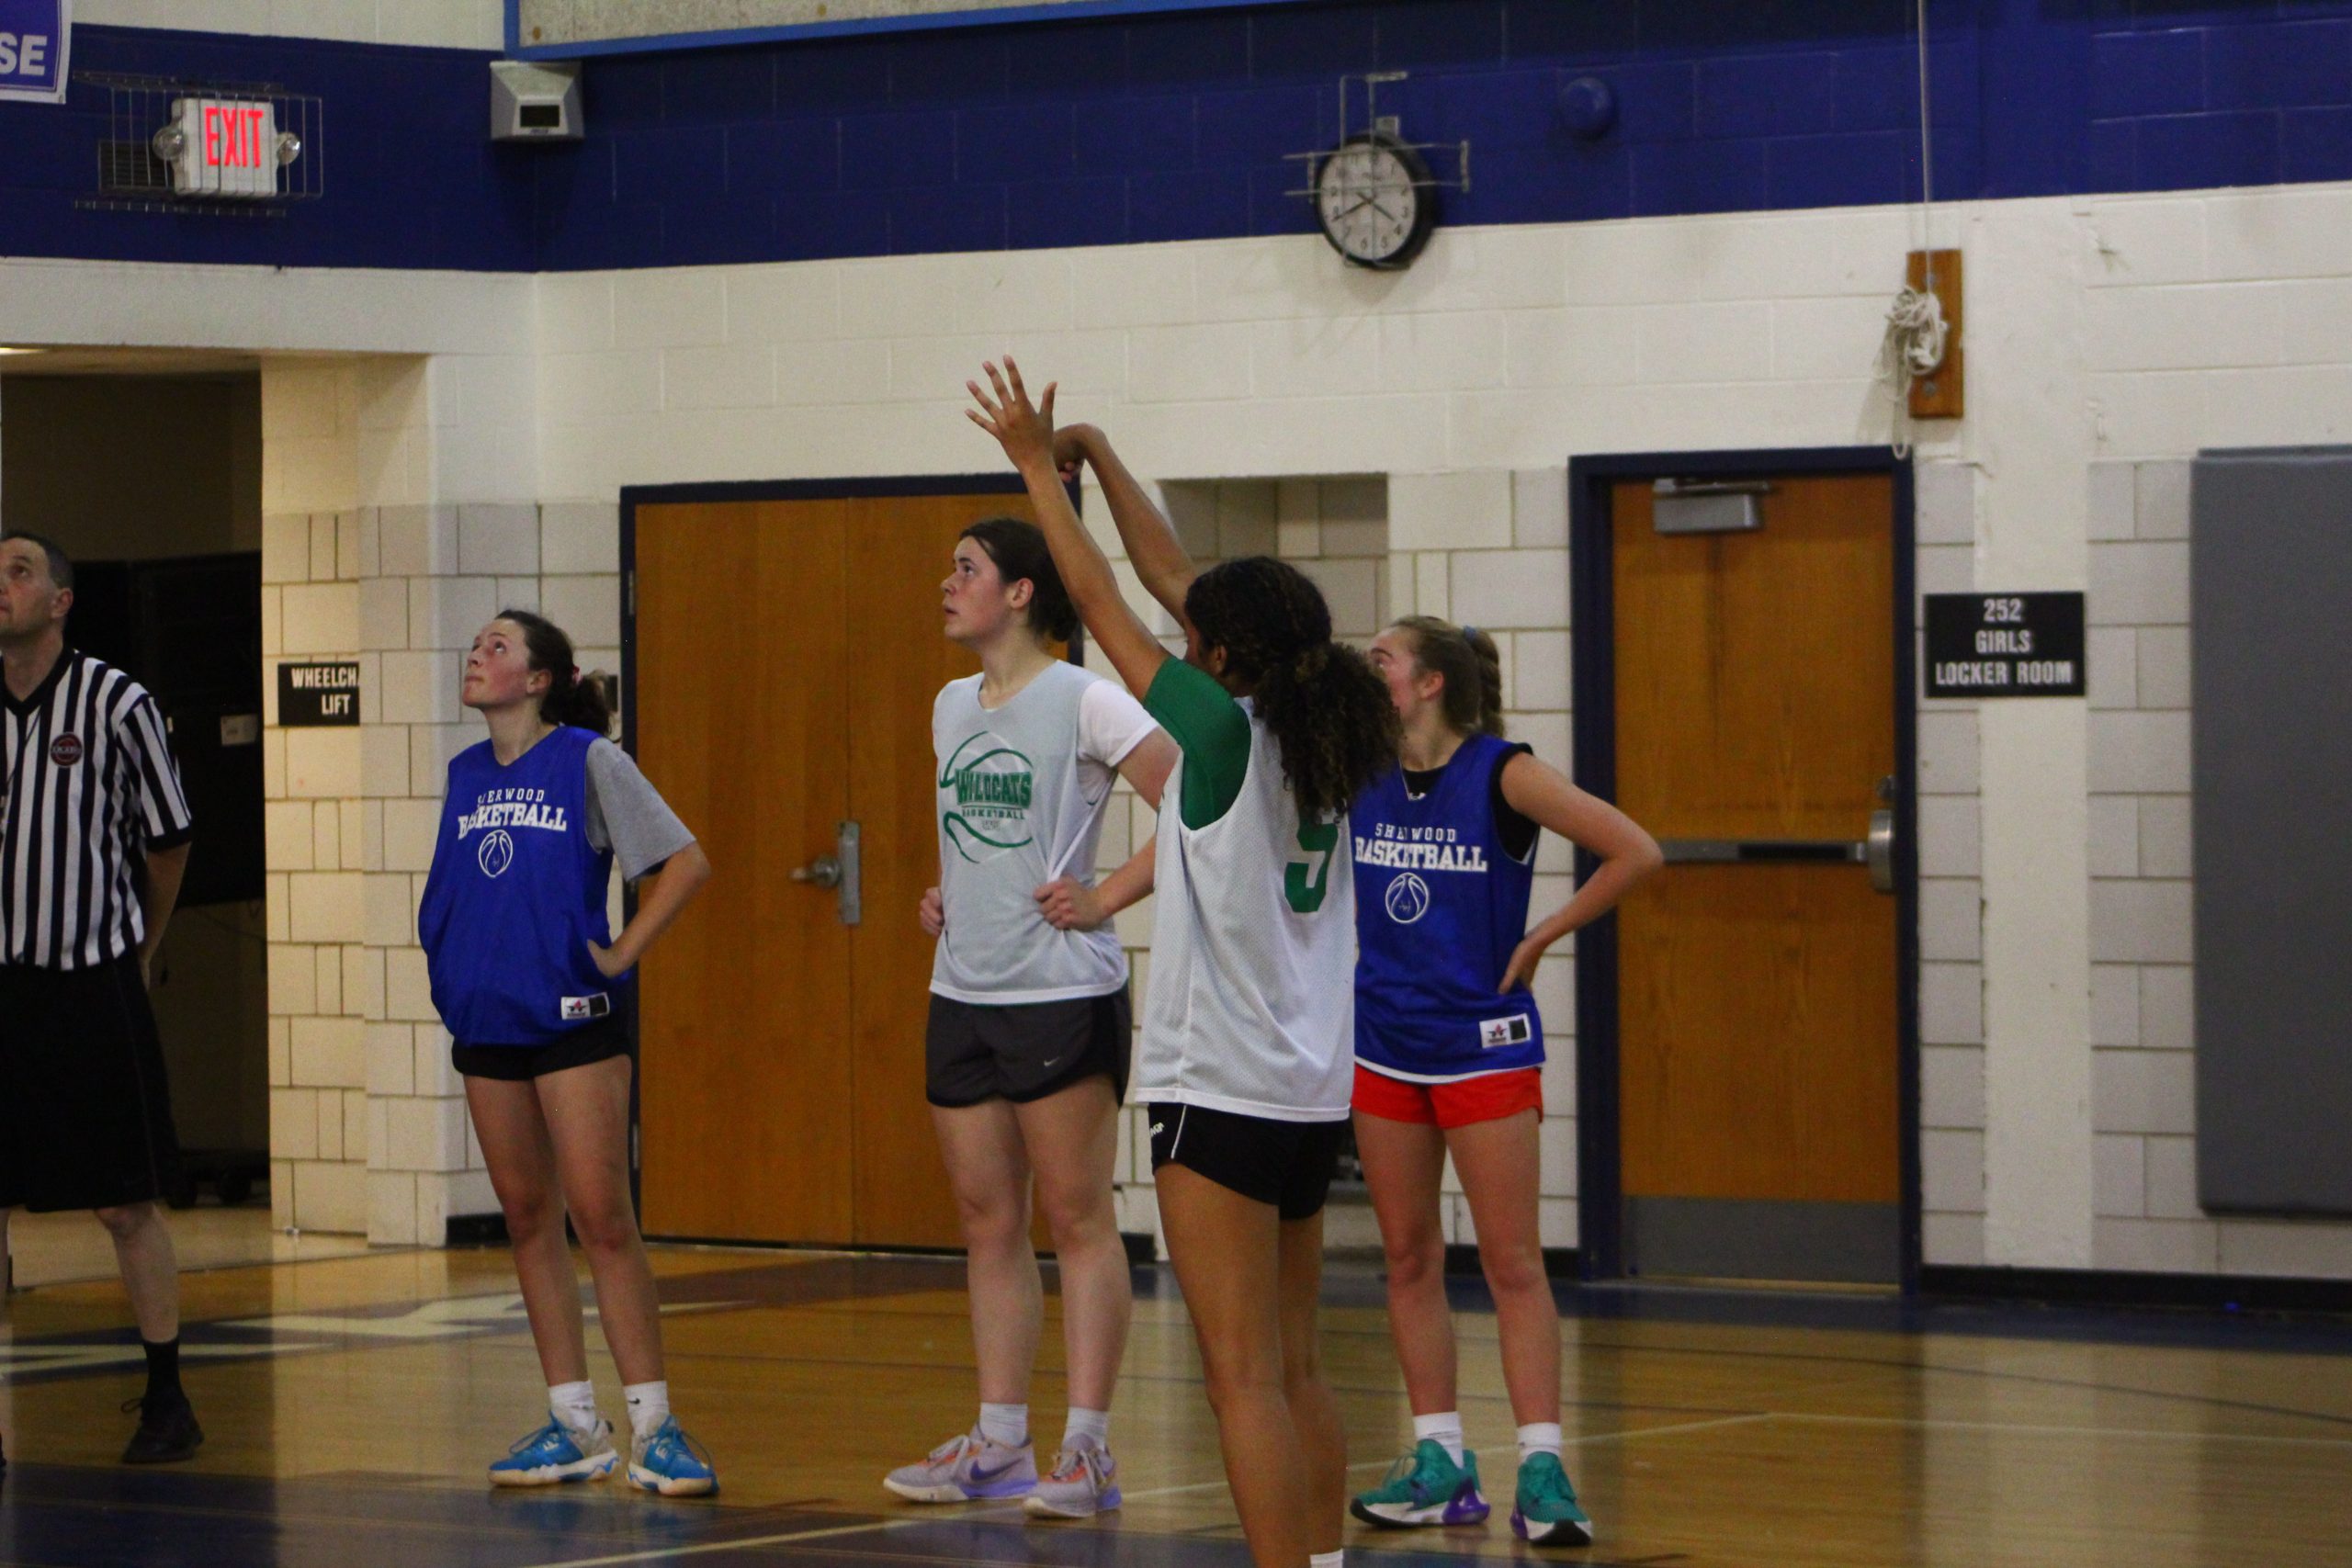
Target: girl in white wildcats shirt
[[1025, 1052], [1246, 1056]]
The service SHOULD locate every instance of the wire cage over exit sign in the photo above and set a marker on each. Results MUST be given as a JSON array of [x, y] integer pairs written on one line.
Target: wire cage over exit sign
[[173, 145]]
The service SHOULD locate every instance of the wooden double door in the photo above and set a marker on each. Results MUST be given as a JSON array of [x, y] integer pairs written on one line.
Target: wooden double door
[[1757, 1023], [786, 656]]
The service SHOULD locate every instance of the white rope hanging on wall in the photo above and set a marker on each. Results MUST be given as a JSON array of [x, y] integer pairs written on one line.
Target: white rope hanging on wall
[[1913, 348], [1917, 333]]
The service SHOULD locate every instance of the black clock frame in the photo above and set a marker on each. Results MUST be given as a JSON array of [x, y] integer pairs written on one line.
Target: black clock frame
[[1425, 189]]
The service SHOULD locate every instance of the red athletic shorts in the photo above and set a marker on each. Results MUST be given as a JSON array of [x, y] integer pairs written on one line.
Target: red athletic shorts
[[1489, 1097]]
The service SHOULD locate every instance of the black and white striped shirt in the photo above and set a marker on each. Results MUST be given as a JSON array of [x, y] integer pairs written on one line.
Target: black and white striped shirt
[[87, 785]]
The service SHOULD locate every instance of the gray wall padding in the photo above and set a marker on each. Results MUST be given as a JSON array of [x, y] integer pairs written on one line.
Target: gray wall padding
[[2270, 568]]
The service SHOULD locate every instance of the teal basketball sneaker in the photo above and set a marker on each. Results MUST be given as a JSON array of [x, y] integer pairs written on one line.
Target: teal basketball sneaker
[[1547, 1513], [1425, 1487]]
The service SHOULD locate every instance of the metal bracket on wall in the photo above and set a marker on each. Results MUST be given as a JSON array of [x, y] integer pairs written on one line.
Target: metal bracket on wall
[[227, 149], [1389, 126], [1707, 506]]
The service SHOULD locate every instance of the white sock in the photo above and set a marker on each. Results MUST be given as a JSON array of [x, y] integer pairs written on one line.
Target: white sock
[[1539, 1438], [1087, 1428], [1444, 1429], [1005, 1424], [573, 1405], [1328, 1559], [649, 1407]]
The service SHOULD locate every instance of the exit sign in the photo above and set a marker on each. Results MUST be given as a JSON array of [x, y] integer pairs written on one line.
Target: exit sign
[[226, 147]]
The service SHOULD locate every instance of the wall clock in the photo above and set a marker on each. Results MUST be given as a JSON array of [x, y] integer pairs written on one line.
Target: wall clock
[[1375, 200]]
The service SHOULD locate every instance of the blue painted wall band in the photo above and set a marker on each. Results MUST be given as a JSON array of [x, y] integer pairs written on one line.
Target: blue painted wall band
[[1173, 126]]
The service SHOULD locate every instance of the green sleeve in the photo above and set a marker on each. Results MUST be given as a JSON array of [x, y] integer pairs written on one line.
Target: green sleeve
[[1211, 730]]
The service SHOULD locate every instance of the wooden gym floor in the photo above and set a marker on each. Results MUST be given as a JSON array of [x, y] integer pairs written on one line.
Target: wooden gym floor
[[353, 1403]]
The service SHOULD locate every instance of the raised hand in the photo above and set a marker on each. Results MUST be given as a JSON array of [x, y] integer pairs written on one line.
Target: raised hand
[[1023, 429]]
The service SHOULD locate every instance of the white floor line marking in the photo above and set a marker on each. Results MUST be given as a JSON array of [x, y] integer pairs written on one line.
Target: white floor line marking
[[662, 1553], [2032, 1429], [1629, 1433], [1632, 1432]]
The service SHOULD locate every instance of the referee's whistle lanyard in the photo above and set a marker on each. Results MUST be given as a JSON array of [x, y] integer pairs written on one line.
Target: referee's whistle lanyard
[[29, 733]]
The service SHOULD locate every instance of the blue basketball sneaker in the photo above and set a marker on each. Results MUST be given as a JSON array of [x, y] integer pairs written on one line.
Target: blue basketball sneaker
[[1425, 1487], [555, 1453], [667, 1462]]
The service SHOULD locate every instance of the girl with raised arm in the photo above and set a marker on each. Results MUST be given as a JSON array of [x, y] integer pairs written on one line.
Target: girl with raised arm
[[1028, 1038], [1245, 1058], [528, 978], [1449, 1054]]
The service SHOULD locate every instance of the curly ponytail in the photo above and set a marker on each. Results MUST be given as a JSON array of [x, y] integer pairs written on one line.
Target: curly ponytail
[[1472, 667], [1329, 714], [570, 698]]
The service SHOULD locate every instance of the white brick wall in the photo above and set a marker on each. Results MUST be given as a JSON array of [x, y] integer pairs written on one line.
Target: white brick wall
[[321, 986]]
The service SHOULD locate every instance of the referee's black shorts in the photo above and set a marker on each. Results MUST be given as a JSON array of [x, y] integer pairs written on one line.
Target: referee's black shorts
[[85, 1114]]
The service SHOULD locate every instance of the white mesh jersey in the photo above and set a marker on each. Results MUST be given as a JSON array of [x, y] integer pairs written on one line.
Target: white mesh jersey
[[1251, 1005], [1023, 790]]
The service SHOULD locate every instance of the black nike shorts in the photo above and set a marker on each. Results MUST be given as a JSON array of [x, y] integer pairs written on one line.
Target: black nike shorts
[[1023, 1051]]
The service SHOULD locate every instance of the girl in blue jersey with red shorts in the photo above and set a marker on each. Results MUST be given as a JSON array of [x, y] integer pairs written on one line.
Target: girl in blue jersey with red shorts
[[1449, 1054]]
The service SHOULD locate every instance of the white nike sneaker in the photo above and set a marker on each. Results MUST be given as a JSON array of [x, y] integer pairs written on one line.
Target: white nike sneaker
[[964, 1469]]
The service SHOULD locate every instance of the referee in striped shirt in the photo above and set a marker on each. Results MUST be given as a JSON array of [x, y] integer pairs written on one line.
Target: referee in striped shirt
[[94, 837]]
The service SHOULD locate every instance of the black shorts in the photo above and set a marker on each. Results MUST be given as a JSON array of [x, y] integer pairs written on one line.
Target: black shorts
[[86, 1109], [1023, 1051], [595, 1042], [1287, 1164]]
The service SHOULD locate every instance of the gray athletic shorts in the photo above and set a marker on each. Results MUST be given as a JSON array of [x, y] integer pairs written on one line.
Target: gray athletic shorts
[[1023, 1051]]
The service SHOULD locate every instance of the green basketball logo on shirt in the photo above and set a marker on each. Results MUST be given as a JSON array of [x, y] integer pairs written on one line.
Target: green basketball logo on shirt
[[1305, 880], [992, 790]]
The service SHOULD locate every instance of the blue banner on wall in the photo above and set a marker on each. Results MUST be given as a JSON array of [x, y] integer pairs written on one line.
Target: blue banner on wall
[[33, 39]]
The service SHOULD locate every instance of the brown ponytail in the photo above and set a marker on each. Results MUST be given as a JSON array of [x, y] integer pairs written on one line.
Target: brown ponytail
[[1470, 666], [571, 699]]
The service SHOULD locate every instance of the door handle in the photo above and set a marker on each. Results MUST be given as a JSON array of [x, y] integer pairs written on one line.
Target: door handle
[[838, 871], [1880, 850], [847, 899]]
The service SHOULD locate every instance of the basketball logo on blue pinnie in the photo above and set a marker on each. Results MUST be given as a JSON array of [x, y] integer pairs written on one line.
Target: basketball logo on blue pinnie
[[1408, 899], [497, 853]]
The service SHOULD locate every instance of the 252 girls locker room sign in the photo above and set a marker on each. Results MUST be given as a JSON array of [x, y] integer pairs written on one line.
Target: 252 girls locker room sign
[[2004, 645], [33, 37]]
